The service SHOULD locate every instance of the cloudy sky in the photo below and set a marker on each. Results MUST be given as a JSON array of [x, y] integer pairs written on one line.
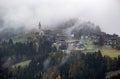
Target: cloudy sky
[[17, 13]]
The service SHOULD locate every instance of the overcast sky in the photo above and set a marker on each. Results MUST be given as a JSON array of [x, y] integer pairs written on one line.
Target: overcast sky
[[16, 13]]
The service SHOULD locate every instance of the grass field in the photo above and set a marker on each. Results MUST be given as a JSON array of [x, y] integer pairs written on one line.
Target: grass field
[[22, 64], [18, 40], [109, 51], [88, 45], [105, 50], [22, 38], [112, 73]]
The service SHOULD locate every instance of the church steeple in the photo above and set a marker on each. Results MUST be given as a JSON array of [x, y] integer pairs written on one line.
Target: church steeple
[[39, 25]]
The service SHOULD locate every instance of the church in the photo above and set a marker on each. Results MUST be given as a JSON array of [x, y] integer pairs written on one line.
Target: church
[[39, 31]]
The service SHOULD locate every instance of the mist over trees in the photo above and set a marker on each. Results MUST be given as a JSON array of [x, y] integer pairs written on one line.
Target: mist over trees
[[75, 39], [74, 25], [49, 63], [79, 27]]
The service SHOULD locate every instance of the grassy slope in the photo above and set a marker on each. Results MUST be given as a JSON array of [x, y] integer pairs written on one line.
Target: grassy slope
[[109, 51], [112, 73], [22, 38], [105, 50], [22, 64]]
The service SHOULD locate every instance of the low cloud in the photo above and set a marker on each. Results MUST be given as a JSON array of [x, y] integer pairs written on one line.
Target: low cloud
[[27, 13]]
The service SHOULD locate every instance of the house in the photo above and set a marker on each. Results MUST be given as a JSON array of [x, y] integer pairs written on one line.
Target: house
[[95, 38], [77, 45], [84, 37], [61, 37], [61, 45], [110, 39], [50, 34]]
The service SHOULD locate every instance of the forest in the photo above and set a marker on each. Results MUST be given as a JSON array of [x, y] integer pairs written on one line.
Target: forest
[[49, 63]]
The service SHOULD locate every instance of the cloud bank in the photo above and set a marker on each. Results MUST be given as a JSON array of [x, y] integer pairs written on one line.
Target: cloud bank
[[27, 13]]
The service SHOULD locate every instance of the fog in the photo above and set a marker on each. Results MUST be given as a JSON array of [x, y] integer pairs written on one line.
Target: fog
[[27, 13]]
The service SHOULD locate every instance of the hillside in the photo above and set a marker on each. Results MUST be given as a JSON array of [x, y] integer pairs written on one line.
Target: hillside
[[56, 55], [78, 27]]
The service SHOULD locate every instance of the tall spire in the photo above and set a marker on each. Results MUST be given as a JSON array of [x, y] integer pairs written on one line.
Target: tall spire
[[39, 25]]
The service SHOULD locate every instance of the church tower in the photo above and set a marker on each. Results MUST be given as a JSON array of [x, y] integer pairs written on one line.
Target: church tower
[[41, 32], [39, 26]]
